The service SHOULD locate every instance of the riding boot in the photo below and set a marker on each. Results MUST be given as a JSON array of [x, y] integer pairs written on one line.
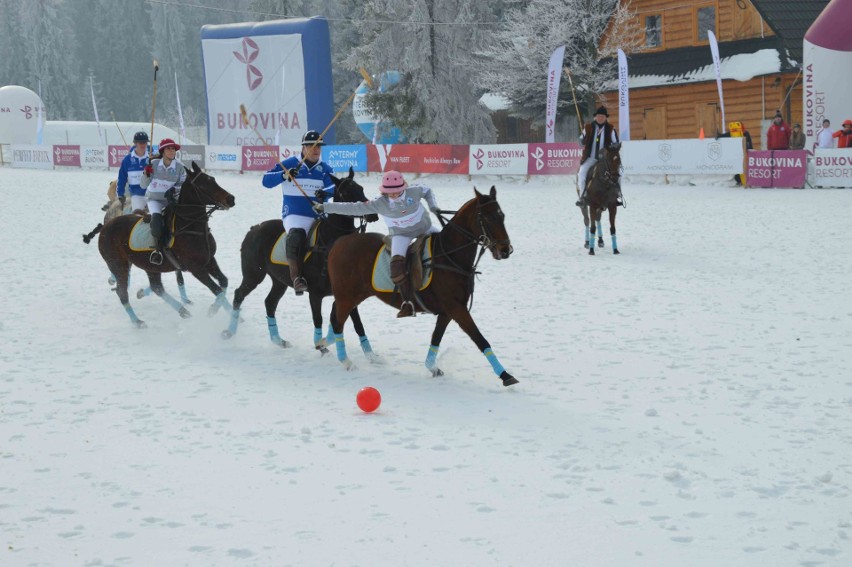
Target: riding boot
[[295, 248], [157, 230], [400, 278]]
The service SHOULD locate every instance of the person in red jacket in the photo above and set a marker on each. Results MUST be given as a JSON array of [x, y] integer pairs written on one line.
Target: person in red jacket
[[844, 136], [778, 135]]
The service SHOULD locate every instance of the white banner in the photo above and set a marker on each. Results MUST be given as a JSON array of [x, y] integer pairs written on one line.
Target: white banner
[[226, 158], [692, 156], [94, 156], [95, 108], [180, 113], [266, 74], [503, 159], [833, 168], [32, 157], [623, 98], [554, 74], [714, 50]]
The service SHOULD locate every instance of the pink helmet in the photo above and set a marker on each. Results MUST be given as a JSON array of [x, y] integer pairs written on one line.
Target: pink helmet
[[392, 182]]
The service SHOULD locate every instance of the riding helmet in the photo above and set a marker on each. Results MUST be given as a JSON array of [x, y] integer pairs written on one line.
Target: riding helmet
[[140, 137], [312, 137]]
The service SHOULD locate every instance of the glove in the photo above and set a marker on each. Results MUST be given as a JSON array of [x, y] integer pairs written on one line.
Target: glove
[[319, 208], [320, 195], [371, 217], [291, 174], [148, 171], [121, 200], [170, 196]]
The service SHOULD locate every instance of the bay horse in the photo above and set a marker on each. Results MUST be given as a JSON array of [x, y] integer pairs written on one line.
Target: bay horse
[[602, 191], [256, 261], [477, 226], [193, 246]]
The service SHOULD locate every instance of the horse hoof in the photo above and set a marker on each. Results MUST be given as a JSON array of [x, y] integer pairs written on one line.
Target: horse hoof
[[140, 324], [591, 251], [616, 251], [323, 349], [347, 364], [140, 294], [213, 309], [282, 343], [437, 372], [187, 301], [374, 358], [508, 379], [111, 280], [600, 243], [184, 314]]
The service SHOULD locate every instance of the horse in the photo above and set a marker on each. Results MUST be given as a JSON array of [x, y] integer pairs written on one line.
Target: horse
[[256, 261], [478, 225], [114, 208], [602, 191], [193, 246]]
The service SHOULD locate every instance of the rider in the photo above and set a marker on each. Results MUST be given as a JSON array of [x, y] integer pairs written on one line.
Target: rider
[[597, 135], [399, 206], [130, 172], [313, 176], [162, 178]]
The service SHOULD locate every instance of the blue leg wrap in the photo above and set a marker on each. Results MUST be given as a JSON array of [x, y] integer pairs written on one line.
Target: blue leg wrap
[[222, 300], [175, 304], [317, 335], [183, 296], [600, 228], [132, 313], [365, 345], [341, 347], [273, 330], [235, 320], [588, 232], [145, 292], [432, 357], [329, 337], [495, 364], [614, 243]]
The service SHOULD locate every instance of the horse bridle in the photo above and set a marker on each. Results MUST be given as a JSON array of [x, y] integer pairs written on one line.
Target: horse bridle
[[485, 240]]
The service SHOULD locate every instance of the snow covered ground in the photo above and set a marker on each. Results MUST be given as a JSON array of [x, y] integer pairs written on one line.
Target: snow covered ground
[[686, 403]]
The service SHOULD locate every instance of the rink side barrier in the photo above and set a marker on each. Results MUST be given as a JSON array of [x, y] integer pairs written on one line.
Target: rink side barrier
[[726, 157]]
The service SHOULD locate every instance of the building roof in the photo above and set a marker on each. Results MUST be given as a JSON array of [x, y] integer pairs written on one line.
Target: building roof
[[790, 19]]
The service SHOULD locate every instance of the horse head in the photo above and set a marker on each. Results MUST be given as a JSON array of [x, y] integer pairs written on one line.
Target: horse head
[[490, 228], [612, 158], [347, 190], [205, 190]]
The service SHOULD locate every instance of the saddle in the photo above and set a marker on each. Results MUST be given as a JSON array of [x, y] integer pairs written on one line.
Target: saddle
[[418, 265], [141, 239], [278, 255]]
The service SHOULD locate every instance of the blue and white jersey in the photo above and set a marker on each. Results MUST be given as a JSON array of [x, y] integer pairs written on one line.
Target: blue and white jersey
[[309, 178], [130, 173]]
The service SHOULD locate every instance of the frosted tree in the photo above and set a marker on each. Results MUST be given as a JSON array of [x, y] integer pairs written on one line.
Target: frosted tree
[[591, 30], [428, 42], [13, 68]]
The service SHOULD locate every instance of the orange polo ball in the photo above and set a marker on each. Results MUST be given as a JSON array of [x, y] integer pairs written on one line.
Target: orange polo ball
[[369, 399]]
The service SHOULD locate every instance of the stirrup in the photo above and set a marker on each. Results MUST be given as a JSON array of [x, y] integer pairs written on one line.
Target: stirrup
[[300, 285], [406, 310], [156, 258]]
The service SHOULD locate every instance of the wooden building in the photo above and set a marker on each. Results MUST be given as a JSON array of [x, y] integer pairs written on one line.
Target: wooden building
[[672, 79]]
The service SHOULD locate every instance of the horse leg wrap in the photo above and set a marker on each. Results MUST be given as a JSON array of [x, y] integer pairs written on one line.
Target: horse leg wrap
[[614, 242], [432, 357], [317, 336], [273, 330], [492, 358], [365, 345], [341, 347], [131, 313], [183, 296], [235, 320], [222, 300]]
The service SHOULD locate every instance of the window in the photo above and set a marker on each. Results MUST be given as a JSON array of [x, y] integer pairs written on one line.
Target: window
[[705, 21], [653, 31]]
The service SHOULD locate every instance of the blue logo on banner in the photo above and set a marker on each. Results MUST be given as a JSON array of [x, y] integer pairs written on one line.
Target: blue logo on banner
[[341, 158]]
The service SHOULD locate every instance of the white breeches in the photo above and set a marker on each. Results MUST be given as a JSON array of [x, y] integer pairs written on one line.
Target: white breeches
[[399, 243], [298, 221], [137, 202], [584, 173], [155, 206]]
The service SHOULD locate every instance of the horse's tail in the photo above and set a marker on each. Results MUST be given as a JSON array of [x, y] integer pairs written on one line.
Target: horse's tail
[[250, 254], [88, 237]]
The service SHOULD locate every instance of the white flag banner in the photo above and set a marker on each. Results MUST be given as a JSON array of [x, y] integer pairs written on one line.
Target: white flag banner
[[180, 112], [714, 49], [554, 74], [95, 108], [623, 99]]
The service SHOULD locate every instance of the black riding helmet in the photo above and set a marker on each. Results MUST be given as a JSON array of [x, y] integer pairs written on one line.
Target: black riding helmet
[[140, 137], [312, 137]]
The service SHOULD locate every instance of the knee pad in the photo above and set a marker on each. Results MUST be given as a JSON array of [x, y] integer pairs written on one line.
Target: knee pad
[[294, 246], [157, 225]]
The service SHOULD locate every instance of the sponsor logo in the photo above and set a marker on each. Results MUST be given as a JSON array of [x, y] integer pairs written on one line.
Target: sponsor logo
[[714, 151], [478, 155], [664, 151], [250, 52], [538, 153]]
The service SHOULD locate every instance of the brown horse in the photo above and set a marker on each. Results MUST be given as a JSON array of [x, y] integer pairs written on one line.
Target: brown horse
[[255, 255], [193, 247], [478, 225], [602, 191]]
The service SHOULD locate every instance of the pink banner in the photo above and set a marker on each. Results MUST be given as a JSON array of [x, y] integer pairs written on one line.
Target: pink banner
[[554, 159], [116, 153], [66, 155], [418, 158], [259, 158], [777, 168]]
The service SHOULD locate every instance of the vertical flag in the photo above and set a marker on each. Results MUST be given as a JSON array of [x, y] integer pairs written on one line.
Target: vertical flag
[[554, 74], [40, 131], [623, 99], [95, 108], [180, 112], [714, 49]]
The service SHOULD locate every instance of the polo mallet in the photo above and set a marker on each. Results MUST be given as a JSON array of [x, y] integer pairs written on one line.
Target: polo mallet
[[123, 140], [579, 119], [154, 101]]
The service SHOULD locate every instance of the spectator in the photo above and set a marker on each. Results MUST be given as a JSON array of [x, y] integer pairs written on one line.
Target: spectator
[[778, 135], [749, 146], [844, 136], [823, 135], [797, 138]]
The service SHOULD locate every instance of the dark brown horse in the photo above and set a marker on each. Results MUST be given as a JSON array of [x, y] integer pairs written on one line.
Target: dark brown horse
[[255, 254], [602, 192], [477, 226], [193, 246]]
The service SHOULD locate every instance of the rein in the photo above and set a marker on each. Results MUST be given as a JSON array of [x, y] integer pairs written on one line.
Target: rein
[[194, 213]]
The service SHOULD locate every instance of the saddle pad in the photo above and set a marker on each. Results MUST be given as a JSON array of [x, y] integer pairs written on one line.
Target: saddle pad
[[140, 236], [279, 252], [381, 268]]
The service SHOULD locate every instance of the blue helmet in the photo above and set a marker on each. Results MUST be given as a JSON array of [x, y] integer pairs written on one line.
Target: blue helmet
[[140, 137]]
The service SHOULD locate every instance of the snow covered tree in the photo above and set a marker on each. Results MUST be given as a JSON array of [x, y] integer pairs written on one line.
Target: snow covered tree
[[428, 42], [591, 30]]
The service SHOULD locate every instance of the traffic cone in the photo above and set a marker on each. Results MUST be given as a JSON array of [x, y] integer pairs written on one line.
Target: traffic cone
[[701, 134]]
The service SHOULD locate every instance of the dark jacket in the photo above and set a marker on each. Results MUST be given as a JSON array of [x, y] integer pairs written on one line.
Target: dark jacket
[[589, 138], [797, 141]]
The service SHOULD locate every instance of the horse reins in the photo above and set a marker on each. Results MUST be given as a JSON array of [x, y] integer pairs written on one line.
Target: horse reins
[[201, 217]]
